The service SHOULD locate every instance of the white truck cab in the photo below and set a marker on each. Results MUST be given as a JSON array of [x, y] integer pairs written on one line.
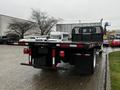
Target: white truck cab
[[59, 36]]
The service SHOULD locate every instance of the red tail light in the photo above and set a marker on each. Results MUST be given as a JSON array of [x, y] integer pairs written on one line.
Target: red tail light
[[62, 54], [27, 51]]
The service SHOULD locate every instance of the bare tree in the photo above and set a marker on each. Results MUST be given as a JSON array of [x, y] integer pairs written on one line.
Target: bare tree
[[43, 21], [20, 28]]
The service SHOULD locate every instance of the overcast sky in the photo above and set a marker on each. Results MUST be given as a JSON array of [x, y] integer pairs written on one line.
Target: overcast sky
[[69, 10]]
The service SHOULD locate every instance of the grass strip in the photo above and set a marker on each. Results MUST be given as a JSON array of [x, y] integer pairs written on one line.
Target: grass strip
[[114, 62]]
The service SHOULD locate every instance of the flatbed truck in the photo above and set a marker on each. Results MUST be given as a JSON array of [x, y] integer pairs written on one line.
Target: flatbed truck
[[81, 51]]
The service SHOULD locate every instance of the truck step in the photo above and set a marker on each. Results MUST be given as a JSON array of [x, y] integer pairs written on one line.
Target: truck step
[[45, 67], [53, 68], [26, 64]]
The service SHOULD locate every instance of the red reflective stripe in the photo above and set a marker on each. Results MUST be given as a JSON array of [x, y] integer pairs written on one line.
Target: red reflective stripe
[[64, 45], [71, 45], [79, 46], [30, 52], [30, 63], [53, 53], [53, 58]]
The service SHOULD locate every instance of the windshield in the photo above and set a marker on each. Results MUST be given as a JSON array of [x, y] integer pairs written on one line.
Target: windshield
[[55, 36], [65, 36], [78, 30]]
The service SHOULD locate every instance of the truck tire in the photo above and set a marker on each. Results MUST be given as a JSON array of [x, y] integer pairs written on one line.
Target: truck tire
[[93, 63], [100, 53]]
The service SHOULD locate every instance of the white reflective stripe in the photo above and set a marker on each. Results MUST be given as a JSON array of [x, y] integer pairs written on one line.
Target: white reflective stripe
[[78, 54], [73, 45], [30, 60], [53, 60], [87, 54], [58, 45], [26, 43], [97, 53]]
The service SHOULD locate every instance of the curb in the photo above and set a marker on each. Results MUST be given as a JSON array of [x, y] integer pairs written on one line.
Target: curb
[[107, 76]]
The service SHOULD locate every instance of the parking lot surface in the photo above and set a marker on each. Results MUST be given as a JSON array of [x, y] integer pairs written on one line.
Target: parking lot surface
[[14, 76]]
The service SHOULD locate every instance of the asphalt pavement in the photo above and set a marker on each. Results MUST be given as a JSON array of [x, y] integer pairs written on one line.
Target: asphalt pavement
[[14, 76]]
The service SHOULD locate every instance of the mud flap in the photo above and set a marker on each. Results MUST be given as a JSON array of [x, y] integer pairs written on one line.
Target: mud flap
[[85, 63]]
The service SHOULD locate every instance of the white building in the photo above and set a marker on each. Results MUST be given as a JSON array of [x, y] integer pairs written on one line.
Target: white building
[[6, 20]]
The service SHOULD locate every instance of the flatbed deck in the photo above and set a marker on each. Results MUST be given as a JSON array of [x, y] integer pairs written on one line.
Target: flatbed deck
[[65, 44]]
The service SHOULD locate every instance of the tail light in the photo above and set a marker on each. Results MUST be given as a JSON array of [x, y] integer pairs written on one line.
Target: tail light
[[27, 51], [62, 54]]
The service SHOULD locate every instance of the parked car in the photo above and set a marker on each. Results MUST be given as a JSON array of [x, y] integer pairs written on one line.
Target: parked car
[[7, 40], [115, 42], [4, 40]]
